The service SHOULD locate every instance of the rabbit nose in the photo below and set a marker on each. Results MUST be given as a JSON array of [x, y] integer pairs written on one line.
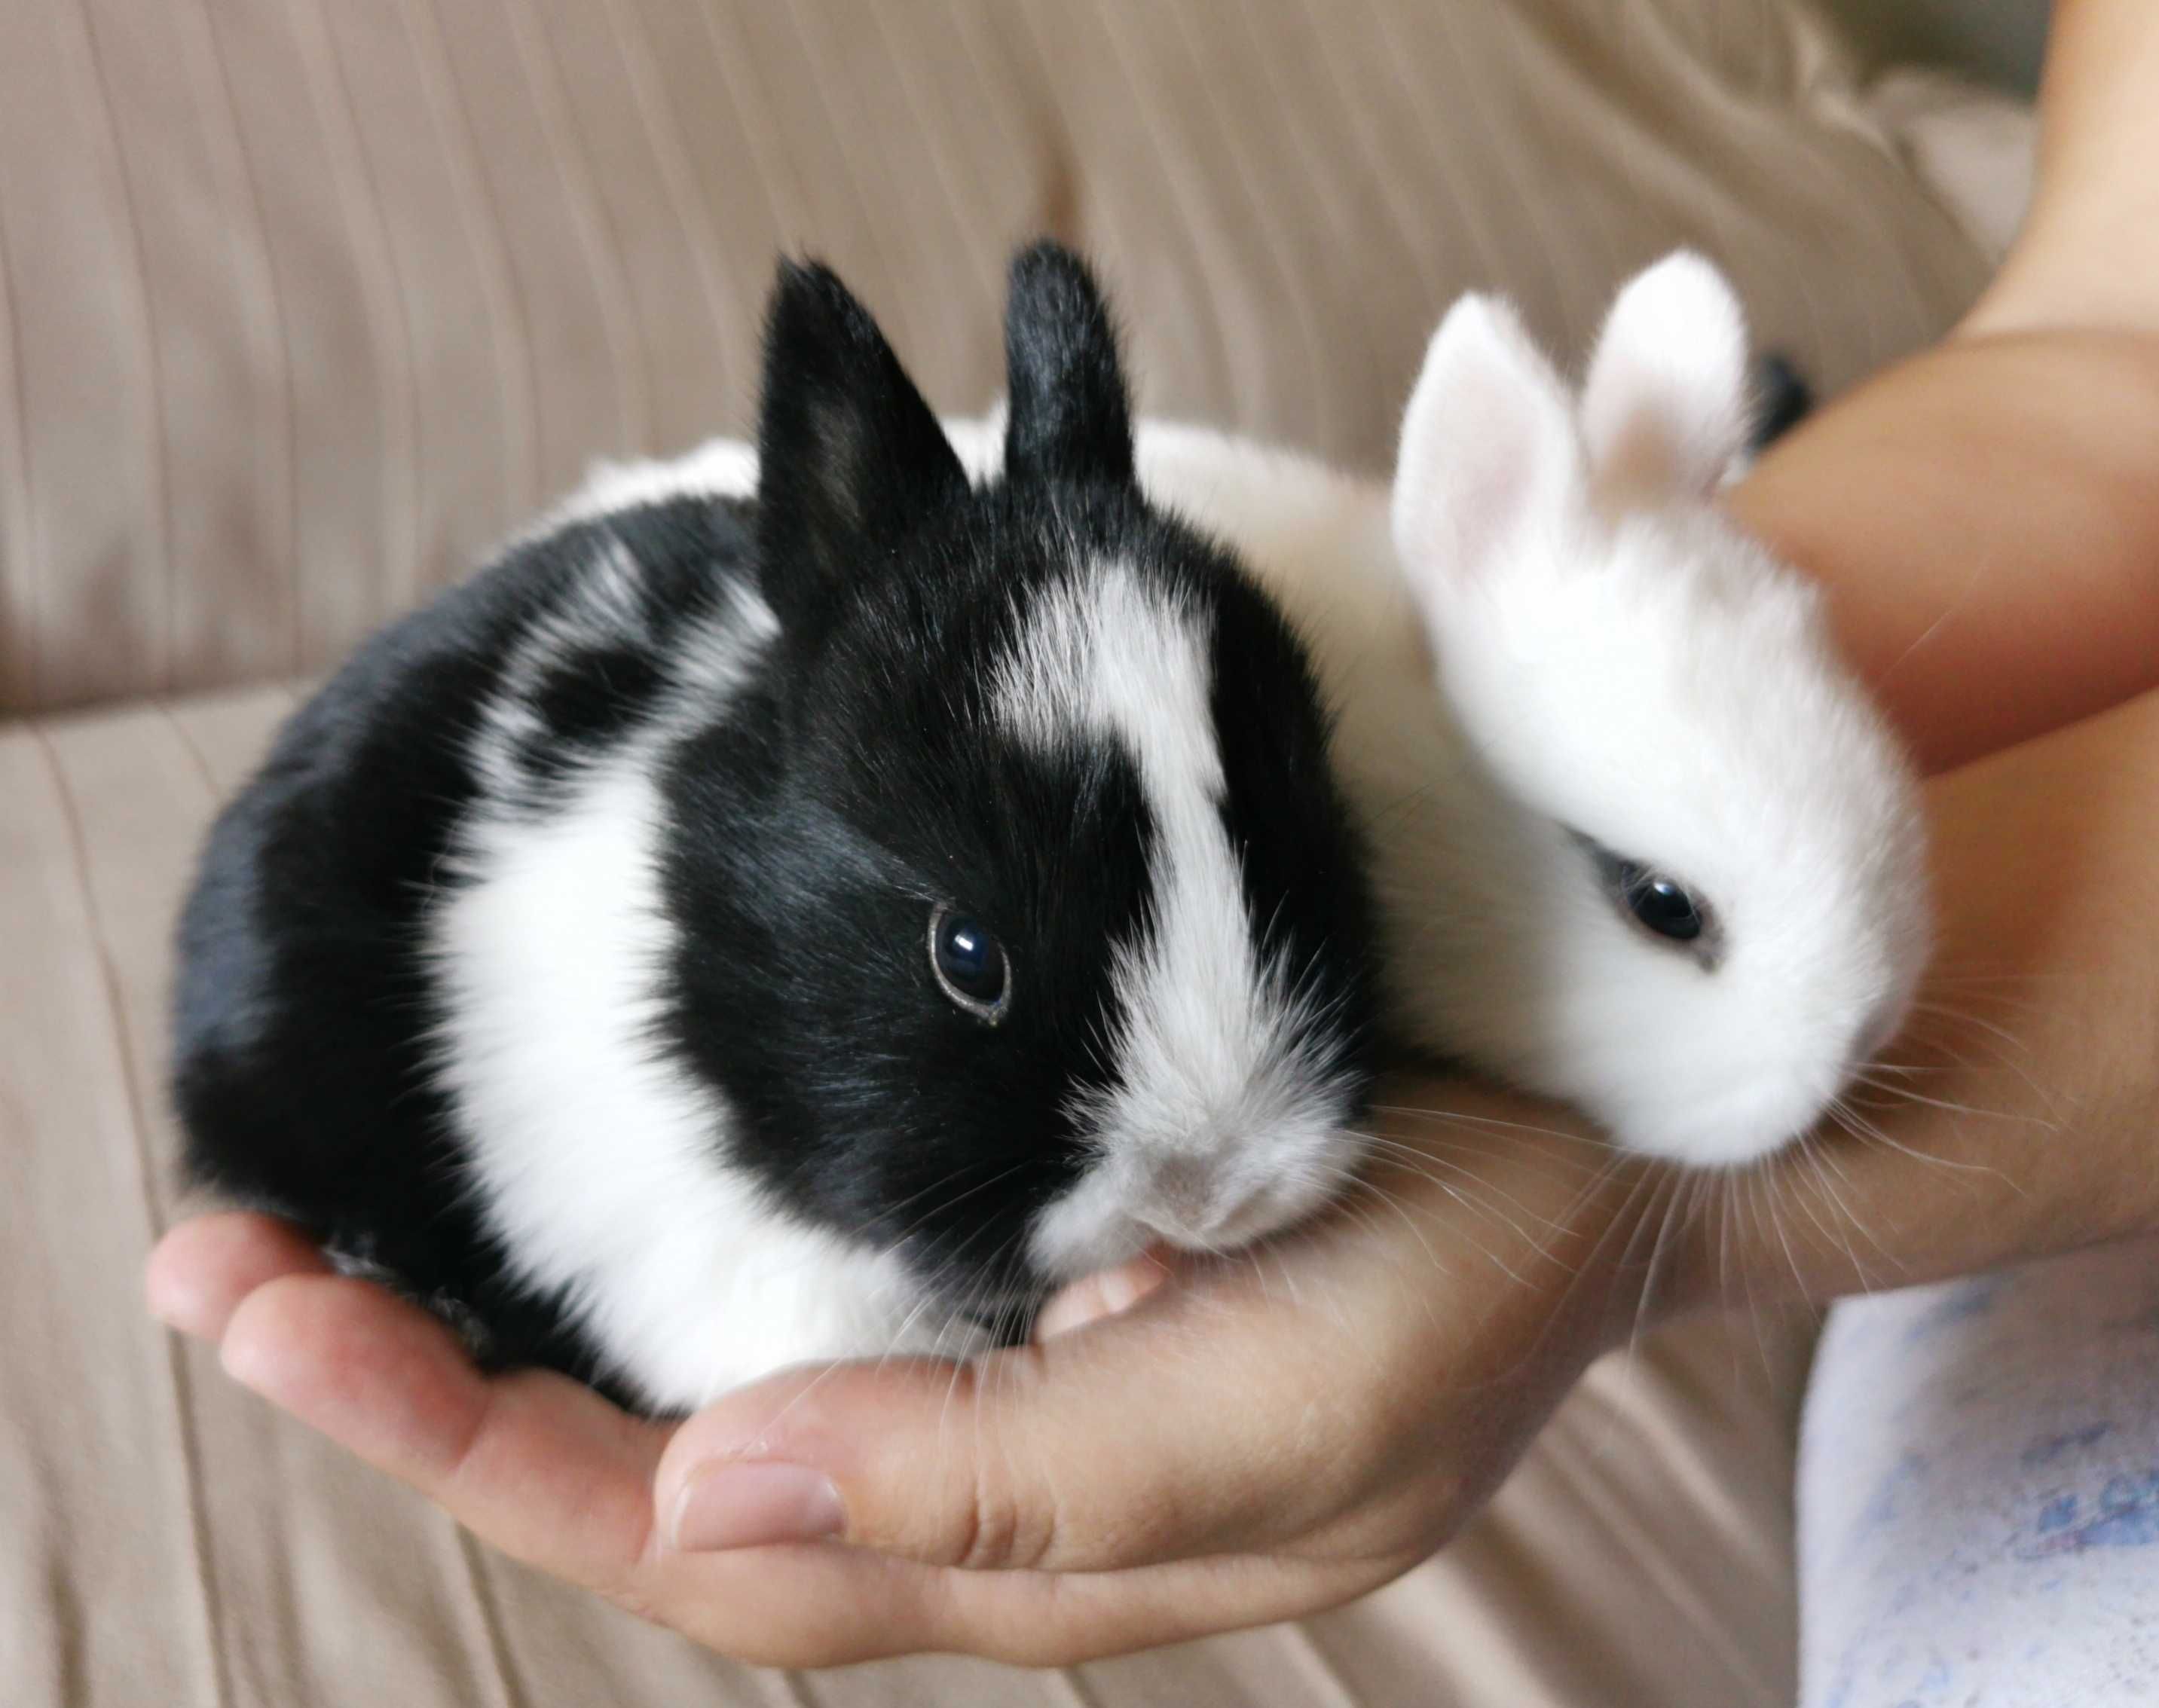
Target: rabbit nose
[[1184, 1200]]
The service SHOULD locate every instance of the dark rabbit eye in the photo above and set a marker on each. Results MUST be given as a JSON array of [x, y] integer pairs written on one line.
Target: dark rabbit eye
[[969, 963], [1656, 902], [1662, 905]]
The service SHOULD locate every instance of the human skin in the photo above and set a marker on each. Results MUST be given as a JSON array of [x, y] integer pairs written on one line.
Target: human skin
[[1984, 516], [1258, 1438]]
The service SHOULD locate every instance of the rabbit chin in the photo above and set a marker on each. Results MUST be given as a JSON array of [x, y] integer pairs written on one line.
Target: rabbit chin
[[1741, 1125], [1714, 1069]]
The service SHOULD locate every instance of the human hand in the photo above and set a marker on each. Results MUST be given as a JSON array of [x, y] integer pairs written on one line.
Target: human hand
[[1258, 1438], [1277, 1433]]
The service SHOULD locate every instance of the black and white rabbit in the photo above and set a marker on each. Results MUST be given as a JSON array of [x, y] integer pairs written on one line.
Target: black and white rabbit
[[731, 931]]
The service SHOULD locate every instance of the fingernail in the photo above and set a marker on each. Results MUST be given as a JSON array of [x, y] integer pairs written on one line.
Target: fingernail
[[180, 1313], [183, 1308], [749, 1504], [1125, 1287]]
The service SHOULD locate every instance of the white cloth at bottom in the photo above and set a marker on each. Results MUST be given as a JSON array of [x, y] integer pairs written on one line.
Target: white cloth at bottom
[[1979, 1492]]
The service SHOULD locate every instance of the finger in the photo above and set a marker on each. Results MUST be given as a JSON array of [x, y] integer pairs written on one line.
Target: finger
[[1161, 1435], [545, 1470], [536, 1463], [822, 1606], [548, 1471], [1041, 1619], [1108, 1293], [202, 1269]]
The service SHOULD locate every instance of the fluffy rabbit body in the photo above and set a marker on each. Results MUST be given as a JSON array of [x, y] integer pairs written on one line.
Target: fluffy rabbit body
[[1641, 840], [736, 928]]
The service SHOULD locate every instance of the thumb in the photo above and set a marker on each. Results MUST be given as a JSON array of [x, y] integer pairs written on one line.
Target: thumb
[[1170, 1431]]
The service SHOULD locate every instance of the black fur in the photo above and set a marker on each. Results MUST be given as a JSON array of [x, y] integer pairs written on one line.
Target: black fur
[[850, 458], [1783, 399], [815, 817], [1304, 879], [1070, 418]]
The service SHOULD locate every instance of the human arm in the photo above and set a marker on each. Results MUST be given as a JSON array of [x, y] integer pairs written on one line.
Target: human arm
[[1984, 514]]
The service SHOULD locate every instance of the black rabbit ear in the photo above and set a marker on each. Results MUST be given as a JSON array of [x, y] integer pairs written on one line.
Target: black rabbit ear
[[1070, 416], [850, 456]]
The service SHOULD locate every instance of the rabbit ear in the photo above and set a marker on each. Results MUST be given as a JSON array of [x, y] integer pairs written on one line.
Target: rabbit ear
[[1663, 412], [1488, 448], [849, 451], [1070, 416]]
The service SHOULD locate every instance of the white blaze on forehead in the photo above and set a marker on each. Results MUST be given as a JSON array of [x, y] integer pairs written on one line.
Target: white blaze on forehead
[[1100, 655], [1104, 652], [1213, 1077]]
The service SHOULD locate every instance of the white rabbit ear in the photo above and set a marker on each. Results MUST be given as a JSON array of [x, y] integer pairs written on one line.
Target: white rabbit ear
[[1488, 446], [1663, 412]]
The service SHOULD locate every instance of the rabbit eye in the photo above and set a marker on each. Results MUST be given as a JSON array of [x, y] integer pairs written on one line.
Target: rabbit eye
[[1657, 903], [969, 963], [1662, 905]]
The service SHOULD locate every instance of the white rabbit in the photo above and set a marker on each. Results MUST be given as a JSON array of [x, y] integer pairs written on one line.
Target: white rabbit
[[1650, 848]]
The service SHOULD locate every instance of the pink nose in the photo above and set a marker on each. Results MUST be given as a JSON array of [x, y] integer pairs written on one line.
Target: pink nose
[[1188, 1201], [1182, 1186]]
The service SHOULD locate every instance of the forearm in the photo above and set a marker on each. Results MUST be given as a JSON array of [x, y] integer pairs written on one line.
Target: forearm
[[1985, 516], [2088, 257], [1986, 519]]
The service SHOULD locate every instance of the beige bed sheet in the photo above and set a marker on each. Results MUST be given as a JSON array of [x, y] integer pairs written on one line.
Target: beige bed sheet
[[302, 303]]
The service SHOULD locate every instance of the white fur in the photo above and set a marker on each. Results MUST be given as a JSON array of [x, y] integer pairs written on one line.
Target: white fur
[[1222, 1127], [602, 608], [1664, 408], [723, 467]]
